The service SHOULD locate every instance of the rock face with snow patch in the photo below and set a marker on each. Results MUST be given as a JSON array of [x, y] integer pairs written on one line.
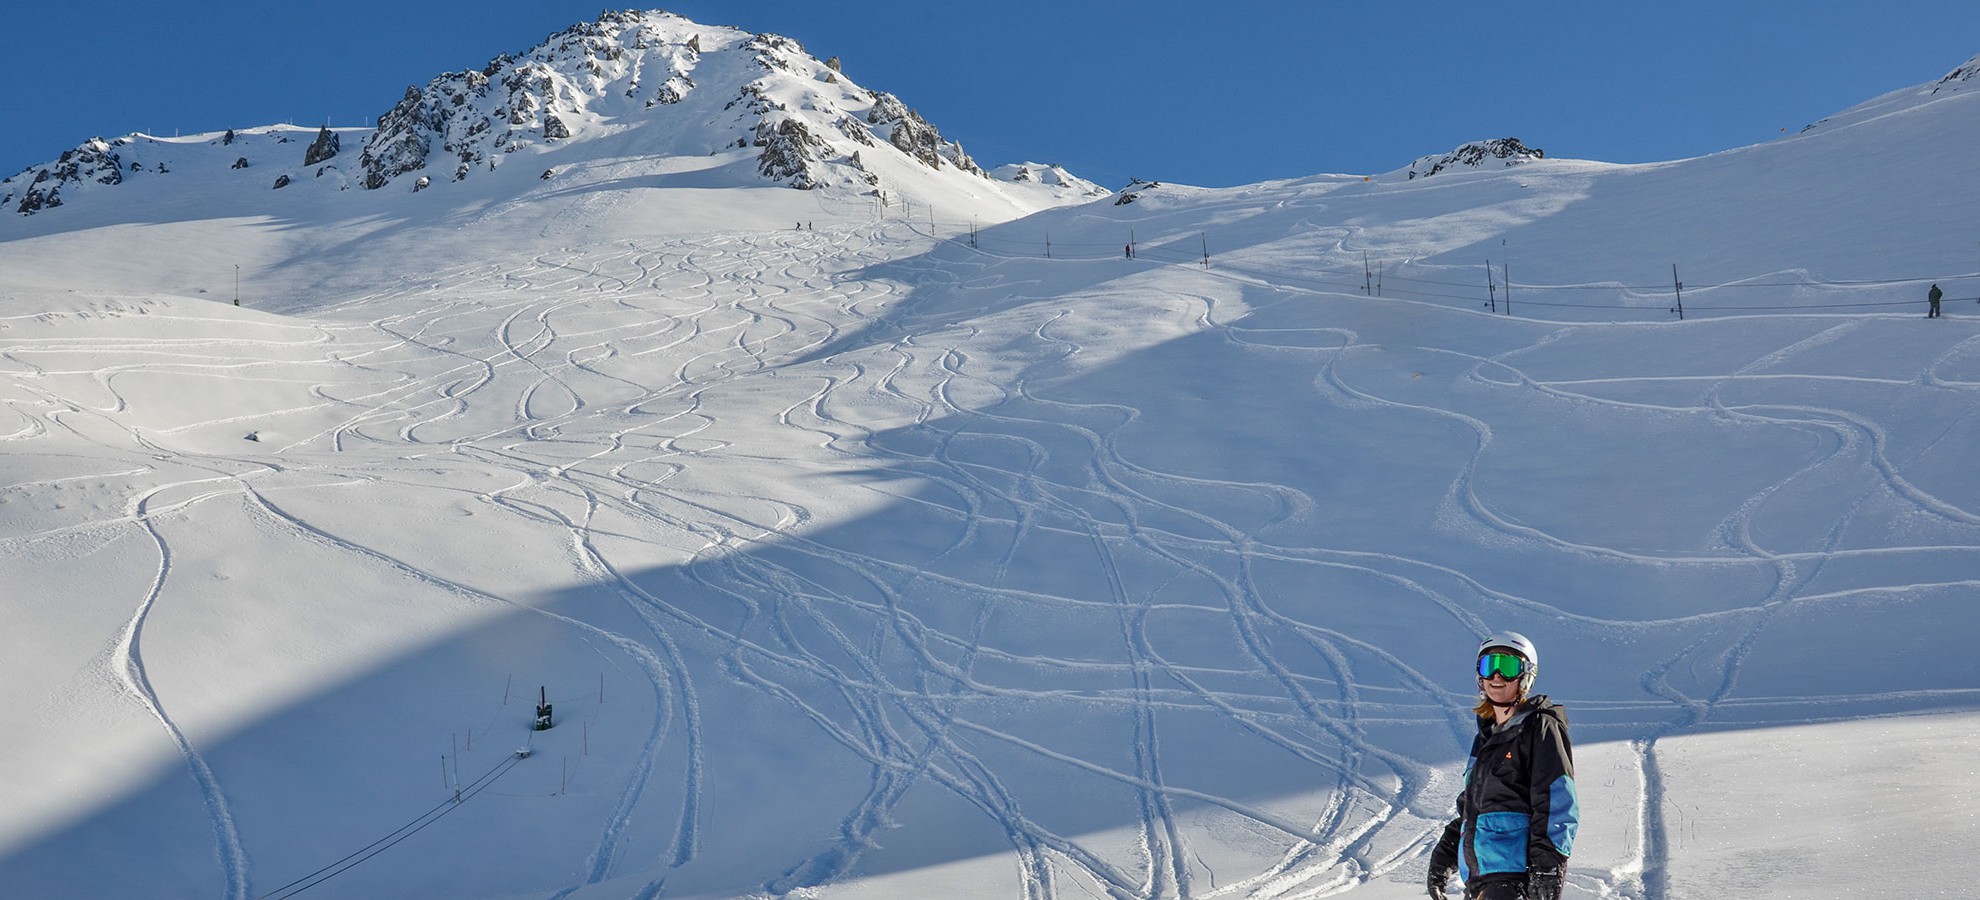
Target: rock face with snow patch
[[95, 161], [1965, 77], [688, 89], [323, 149], [1501, 153]]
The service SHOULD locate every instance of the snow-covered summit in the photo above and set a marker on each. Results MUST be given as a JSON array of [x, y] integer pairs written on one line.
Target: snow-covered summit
[[1965, 77], [1502, 153], [747, 109], [684, 88]]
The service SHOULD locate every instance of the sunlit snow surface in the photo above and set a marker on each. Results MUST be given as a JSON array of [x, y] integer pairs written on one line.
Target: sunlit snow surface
[[864, 562]]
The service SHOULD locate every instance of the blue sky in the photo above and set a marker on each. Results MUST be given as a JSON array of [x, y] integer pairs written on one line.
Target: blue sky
[[1201, 93]]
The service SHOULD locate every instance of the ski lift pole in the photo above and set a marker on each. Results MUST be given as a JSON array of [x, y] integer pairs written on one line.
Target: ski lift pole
[[1677, 286]]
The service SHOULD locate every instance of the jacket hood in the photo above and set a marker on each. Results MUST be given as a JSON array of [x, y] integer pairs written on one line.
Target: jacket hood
[[1538, 704]]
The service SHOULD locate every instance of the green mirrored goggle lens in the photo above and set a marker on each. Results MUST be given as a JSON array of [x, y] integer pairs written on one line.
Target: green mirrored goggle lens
[[1504, 665]]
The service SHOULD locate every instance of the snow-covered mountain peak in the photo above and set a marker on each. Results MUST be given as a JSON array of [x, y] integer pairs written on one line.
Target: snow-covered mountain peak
[[685, 89], [1965, 77], [644, 92], [1501, 153]]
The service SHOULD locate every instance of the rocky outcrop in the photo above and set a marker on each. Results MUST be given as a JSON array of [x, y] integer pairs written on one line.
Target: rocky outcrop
[[96, 161], [1962, 78], [323, 149], [401, 142], [461, 121], [911, 134], [790, 153], [1501, 153]]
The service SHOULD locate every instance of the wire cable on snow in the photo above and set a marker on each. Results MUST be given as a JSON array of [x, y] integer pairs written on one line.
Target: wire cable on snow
[[392, 838]]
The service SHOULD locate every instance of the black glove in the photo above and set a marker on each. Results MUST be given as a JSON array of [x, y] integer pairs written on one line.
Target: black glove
[[1543, 884], [1439, 875]]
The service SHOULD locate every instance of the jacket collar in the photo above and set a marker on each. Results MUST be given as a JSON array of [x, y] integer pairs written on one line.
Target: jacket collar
[[1489, 728]]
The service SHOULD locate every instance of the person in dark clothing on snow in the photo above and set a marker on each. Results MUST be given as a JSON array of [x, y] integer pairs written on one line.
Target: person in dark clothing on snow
[[1519, 811], [1933, 296]]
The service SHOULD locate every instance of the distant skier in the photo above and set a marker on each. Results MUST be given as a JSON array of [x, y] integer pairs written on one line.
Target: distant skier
[[1518, 812], [1933, 296]]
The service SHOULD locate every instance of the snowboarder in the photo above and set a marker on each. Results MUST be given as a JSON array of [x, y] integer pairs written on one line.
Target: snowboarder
[[1933, 296], [1518, 812]]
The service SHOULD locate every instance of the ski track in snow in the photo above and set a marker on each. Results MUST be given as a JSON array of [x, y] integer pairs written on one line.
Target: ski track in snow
[[546, 374], [137, 678]]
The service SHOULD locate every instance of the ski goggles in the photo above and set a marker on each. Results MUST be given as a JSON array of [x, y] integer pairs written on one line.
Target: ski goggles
[[1508, 666]]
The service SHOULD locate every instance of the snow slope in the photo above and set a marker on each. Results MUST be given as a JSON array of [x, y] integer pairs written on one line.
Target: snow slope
[[894, 558]]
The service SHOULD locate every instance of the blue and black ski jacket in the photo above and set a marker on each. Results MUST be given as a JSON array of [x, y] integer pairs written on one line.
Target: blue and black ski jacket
[[1518, 810]]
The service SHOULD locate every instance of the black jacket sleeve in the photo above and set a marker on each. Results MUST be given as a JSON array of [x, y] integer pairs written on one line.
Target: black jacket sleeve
[[1445, 857], [1552, 795]]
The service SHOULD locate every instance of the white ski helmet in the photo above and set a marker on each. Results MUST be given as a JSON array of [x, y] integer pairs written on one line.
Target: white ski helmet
[[1517, 643]]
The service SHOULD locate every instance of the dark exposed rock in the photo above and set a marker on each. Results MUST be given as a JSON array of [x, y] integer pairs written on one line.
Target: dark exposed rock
[[1476, 155], [95, 161], [788, 151], [912, 135], [674, 90], [400, 143], [325, 147]]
